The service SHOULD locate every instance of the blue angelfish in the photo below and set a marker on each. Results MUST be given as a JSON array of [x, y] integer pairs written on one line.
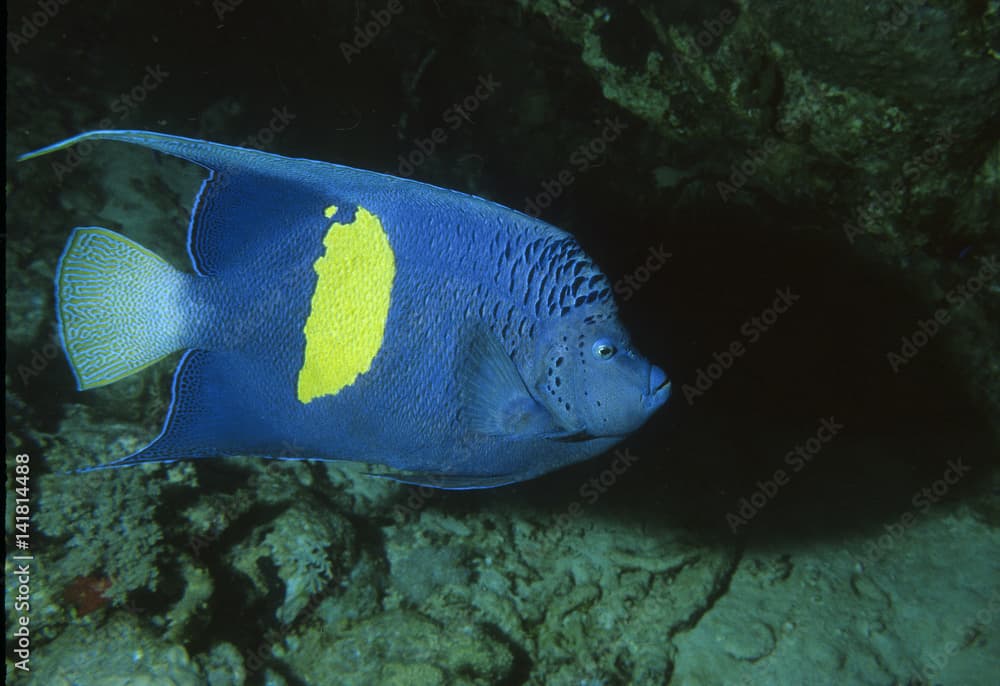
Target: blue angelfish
[[340, 314]]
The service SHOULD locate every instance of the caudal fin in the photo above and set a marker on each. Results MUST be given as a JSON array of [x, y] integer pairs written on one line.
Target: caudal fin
[[119, 306]]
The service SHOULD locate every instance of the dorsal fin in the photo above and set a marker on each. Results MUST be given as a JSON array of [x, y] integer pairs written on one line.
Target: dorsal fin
[[248, 193]]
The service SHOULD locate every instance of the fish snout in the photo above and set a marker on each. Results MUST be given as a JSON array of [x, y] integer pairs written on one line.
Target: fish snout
[[657, 379], [659, 387]]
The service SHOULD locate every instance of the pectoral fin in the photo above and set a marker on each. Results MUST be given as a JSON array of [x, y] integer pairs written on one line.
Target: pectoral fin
[[495, 399]]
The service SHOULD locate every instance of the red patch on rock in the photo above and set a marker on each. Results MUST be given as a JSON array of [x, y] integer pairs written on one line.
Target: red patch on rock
[[86, 594]]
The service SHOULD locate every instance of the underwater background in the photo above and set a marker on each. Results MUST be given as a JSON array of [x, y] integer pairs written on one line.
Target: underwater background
[[798, 206]]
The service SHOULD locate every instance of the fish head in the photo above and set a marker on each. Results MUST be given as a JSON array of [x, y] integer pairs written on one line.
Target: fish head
[[593, 381]]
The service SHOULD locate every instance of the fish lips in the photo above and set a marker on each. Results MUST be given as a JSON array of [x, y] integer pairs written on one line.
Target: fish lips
[[659, 389]]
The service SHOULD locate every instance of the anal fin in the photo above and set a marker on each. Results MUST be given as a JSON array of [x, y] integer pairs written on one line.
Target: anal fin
[[209, 416], [449, 482]]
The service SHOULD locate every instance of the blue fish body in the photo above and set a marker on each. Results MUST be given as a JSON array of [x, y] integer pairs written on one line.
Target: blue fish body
[[340, 314]]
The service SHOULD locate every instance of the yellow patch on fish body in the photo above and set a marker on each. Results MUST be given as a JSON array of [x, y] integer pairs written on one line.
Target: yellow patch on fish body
[[350, 306]]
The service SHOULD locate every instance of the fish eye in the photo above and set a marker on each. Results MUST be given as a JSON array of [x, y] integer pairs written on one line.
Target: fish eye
[[603, 349]]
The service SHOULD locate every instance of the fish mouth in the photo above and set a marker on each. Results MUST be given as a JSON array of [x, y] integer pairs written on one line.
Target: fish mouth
[[584, 435], [659, 388], [580, 436], [658, 379]]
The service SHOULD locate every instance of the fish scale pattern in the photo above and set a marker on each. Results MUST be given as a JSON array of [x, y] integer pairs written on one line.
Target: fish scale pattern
[[549, 275]]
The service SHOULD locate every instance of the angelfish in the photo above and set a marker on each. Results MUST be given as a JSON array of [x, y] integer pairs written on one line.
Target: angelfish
[[341, 314]]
